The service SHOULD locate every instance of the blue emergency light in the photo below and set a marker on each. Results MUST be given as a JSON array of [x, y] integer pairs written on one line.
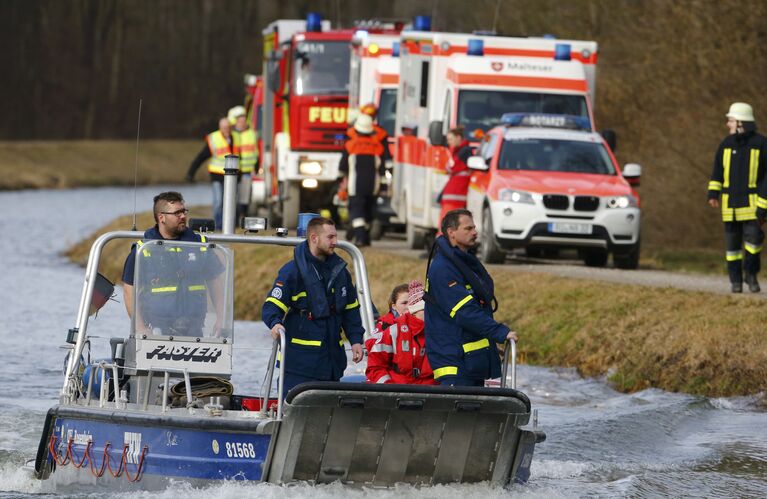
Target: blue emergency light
[[566, 121], [422, 23], [314, 22], [562, 52], [395, 49], [476, 47], [549, 36]]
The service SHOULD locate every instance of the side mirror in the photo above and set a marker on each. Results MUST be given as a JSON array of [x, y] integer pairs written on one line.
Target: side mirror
[[477, 163], [611, 138], [435, 134], [632, 172]]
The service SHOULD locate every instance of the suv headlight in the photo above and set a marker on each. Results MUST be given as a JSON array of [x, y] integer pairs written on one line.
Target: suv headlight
[[310, 167], [515, 196], [621, 202]]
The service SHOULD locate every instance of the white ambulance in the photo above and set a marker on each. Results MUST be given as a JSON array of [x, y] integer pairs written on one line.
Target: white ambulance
[[449, 79]]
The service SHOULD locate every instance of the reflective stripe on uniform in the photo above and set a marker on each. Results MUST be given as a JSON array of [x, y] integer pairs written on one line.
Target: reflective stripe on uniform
[[761, 202], [459, 305], [753, 168], [476, 345], [198, 287], [726, 155], [384, 379], [353, 305], [309, 343], [733, 256], [302, 294], [167, 289], [380, 347], [714, 185], [445, 371], [753, 248], [277, 302]]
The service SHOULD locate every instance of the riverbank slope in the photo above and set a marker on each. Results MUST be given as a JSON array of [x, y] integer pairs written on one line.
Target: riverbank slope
[[638, 337]]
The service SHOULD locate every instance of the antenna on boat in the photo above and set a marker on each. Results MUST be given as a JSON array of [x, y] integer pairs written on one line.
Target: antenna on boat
[[135, 168]]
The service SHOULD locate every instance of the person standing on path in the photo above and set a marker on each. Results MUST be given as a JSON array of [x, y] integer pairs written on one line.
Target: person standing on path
[[737, 187]]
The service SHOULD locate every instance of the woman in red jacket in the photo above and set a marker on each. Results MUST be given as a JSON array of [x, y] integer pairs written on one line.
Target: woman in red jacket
[[399, 354], [454, 194]]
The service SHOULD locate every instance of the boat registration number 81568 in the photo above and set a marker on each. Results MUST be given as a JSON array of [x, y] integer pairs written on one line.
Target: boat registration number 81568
[[240, 449]]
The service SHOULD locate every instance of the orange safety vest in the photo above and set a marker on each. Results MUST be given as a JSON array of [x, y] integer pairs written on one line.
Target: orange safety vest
[[246, 143], [219, 148], [371, 145]]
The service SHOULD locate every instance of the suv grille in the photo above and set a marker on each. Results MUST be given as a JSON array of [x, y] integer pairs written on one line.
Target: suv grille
[[586, 203], [555, 201]]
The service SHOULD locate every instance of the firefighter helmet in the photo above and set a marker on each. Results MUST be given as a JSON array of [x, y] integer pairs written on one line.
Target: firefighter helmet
[[235, 113], [741, 112], [369, 109]]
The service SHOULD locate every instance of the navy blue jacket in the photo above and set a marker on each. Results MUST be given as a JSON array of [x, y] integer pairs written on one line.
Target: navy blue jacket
[[460, 330], [314, 300]]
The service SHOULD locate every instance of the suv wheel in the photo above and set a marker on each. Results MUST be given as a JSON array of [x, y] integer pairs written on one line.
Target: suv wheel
[[628, 259], [489, 250], [594, 257]]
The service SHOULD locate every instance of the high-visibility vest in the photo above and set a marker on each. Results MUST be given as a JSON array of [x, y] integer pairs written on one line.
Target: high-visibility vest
[[219, 148], [246, 145]]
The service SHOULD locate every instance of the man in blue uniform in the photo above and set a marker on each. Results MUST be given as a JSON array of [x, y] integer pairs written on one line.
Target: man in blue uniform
[[312, 300], [175, 282], [460, 330]]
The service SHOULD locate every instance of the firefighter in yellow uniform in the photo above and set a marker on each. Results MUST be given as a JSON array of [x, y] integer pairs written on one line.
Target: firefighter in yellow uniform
[[246, 140], [218, 145], [737, 186]]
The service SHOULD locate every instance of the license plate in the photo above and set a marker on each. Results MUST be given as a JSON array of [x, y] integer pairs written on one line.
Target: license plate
[[569, 228]]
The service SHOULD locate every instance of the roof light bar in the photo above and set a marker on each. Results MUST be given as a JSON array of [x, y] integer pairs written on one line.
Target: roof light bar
[[562, 52], [476, 47]]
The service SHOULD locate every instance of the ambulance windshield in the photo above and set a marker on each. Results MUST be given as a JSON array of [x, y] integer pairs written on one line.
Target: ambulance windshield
[[321, 68], [483, 108], [387, 110], [551, 155]]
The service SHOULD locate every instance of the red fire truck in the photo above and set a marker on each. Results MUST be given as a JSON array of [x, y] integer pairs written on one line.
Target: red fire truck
[[306, 74]]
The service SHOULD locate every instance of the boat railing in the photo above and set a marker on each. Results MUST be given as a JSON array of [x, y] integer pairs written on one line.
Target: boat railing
[[266, 386], [509, 358]]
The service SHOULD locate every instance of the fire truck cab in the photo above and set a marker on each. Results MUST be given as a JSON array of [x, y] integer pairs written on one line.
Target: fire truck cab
[[306, 70], [449, 79]]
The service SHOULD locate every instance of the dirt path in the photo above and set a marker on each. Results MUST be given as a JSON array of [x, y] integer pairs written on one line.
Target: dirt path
[[571, 268]]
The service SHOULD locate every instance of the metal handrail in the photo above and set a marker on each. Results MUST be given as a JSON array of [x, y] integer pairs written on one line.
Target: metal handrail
[[509, 346], [266, 387], [166, 380]]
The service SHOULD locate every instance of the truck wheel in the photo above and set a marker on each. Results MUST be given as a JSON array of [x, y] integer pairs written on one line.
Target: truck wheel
[[488, 249], [414, 237], [594, 257], [628, 259], [291, 204]]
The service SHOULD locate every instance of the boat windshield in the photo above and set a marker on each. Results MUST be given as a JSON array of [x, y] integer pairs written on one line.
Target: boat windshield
[[555, 156], [183, 289], [482, 109], [321, 68]]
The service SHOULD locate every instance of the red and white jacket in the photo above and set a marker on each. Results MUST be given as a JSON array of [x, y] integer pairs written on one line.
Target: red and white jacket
[[398, 355], [458, 184]]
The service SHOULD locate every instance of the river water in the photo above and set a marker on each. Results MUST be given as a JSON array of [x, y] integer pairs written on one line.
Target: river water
[[600, 442]]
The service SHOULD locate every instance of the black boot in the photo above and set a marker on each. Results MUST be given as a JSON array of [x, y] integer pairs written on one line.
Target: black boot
[[753, 284], [737, 287]]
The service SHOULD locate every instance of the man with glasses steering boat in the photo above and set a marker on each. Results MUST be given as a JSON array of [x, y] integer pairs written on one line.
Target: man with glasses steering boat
[[174, 280]]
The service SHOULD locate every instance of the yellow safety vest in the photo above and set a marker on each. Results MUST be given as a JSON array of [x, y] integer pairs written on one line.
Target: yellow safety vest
[[219, 148], [247, 147]]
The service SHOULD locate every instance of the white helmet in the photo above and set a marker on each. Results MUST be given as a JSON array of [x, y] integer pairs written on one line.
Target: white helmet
[[235, 113], [364, 124], [741, 111]]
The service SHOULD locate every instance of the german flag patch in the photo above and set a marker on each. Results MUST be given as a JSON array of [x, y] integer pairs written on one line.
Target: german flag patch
[[278, 283]]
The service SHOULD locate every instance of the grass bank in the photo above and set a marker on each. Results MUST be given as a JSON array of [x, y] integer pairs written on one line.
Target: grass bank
[[638, 337], [80, 163]]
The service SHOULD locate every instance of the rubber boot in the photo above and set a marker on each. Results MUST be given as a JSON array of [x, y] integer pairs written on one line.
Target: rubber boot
[[753, 284]]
